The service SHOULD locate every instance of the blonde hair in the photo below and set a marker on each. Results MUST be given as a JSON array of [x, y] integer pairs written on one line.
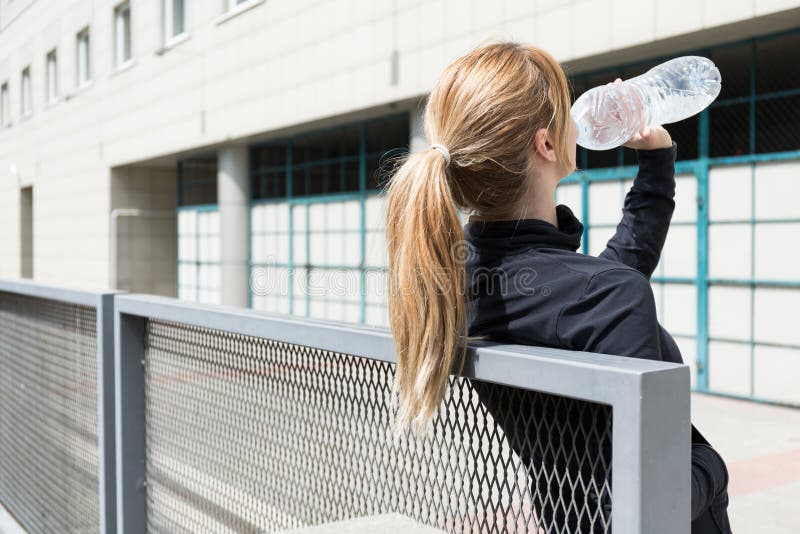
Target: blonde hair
[[485, 108]]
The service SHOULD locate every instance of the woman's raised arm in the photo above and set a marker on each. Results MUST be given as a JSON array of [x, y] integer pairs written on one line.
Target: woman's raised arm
[[649, 204]]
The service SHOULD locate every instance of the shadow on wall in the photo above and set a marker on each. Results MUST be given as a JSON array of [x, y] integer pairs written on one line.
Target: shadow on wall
[[143, 241]]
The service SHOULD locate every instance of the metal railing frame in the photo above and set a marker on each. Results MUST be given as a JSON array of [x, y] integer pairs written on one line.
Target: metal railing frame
[[650, 401], [103, 303]]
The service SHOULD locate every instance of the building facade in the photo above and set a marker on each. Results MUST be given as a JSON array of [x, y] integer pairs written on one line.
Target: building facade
[[234, 151]]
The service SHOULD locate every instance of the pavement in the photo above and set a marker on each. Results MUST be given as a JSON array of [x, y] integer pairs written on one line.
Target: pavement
[[761, 446]]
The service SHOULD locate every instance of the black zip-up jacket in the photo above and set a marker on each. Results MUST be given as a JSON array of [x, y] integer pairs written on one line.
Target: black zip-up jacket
[[554, 296]]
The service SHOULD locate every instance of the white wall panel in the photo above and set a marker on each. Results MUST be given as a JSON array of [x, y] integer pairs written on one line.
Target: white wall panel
[[199, 275], [729, 251], [718, 12], [729, 193], [729, 312], [776, 315], [685, 198], [598, 238], [605, 202], [592, 20], [776, 372], [680, 308], [572, 196], [777, 190], [632, 21], [679, 255], [677, 16], [729, 367], [777, 254], [555, 31]]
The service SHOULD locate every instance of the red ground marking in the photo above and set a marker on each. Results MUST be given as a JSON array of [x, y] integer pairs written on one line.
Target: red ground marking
[[764, 472]]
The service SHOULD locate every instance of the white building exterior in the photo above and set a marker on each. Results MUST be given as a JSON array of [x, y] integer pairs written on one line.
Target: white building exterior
[[104, 101]]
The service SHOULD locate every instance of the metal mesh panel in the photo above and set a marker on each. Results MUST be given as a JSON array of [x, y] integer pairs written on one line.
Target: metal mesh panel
[[48, 414], [777, 124], [246, 434]]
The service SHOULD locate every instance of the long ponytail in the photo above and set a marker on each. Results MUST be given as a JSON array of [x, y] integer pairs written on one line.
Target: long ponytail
[[426, 282]]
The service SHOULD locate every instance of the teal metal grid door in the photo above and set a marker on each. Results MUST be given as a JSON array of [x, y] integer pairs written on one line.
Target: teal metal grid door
[[317, 244], [198, 231], [727, 284]]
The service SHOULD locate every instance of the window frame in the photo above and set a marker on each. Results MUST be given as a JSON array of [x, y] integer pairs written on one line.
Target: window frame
[[5, 105], [26, 92], [233, 8], [51, 77], [234, 4], [120, 61], [168, 23], [80, 51]]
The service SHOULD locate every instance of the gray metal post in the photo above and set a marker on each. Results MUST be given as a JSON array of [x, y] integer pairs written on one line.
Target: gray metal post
[[105, 414], [129, 334], [651, 483], [103, 303]]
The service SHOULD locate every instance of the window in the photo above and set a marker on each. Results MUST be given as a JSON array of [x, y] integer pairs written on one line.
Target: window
[[5, 109], [174, 19], [318, 191], [122, 30], [27, 108], [197, 181], [234, 8], [52, 77], [84, 68], [329, 161], [199, 268]]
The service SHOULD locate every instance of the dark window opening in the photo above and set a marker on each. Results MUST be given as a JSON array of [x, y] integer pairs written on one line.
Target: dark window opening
[[730, 130], [197, 181], [26, 232], [778, 124], [776, 64], [329, 161], [734, 64]]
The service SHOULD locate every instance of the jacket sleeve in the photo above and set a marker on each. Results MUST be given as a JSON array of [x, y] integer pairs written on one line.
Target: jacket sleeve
[[646, 213], [709, 478], [615, 315]]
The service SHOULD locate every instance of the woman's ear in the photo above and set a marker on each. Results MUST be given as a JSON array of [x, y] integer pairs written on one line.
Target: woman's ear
[[543, 145]]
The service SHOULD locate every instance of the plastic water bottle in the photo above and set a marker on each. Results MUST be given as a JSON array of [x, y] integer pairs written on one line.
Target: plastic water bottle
[[608, 115]]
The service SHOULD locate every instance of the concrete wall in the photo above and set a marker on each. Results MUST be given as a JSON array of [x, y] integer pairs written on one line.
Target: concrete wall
[[271, 68]]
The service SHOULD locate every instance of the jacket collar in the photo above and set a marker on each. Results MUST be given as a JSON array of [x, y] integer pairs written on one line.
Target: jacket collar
[[505, 234]]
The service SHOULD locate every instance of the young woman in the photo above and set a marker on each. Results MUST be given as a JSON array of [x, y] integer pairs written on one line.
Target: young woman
[[499, 120]]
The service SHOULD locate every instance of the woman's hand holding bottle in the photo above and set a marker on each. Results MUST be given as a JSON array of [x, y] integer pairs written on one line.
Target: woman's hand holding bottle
[[649, 138]]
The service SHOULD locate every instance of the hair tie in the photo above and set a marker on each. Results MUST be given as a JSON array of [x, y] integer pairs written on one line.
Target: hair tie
[[444, 153]]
